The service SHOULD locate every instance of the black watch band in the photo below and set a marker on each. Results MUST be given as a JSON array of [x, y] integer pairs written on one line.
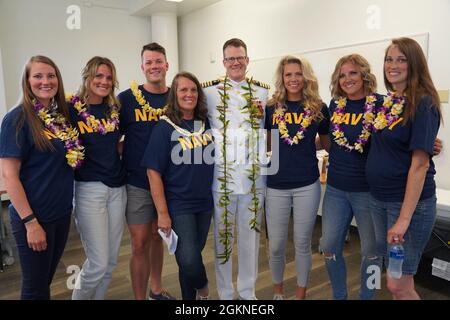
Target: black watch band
[[28, 218]]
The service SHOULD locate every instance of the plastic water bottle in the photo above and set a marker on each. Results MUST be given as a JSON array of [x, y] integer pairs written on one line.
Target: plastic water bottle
[[396, 255]]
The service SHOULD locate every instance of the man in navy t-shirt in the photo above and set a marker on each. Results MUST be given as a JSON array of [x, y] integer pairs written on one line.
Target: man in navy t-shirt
[[141, 107]]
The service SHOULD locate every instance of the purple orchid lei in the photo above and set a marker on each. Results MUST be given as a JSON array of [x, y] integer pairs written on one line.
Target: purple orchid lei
[[390, 112], [58, 125], [367, 123], [111, 124], [284, 133]]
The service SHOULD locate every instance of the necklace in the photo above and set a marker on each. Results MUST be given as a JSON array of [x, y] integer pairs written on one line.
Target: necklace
[[284, 133], [103, 128], [183, 131], [395, 105], [57, 124], [367, 124], [143, 103]]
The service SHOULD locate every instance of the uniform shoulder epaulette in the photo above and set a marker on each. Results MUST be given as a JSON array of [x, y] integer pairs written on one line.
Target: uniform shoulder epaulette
[[260, 84], [210, 83]]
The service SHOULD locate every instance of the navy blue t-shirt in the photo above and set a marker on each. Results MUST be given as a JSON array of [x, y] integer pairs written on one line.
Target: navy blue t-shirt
[[347, 169], [101, 158], [390, 155], [137, 126], [187, 184], [46, 177], [298, 163]]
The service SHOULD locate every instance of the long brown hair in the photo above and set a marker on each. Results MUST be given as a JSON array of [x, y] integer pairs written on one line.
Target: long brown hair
[[173, 111], [28, 114], [310, 91], [88, 74], [418, 82], [369, 79]]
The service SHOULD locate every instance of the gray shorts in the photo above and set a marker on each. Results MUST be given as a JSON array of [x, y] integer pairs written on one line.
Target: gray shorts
[[140, 207]]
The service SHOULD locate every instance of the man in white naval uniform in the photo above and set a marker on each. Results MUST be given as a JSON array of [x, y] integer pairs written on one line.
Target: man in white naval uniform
[[239, 165]]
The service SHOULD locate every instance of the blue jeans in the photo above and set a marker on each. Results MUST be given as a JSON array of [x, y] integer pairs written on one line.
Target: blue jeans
[[38, 268], [339, 207], [385, 214], [192, 230]]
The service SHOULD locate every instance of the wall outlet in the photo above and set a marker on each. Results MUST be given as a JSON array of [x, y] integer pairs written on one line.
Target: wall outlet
[[443, 96]]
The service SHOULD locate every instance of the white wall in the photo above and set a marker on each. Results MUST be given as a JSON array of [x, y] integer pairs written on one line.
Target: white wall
[[29, 27], [273, 28]]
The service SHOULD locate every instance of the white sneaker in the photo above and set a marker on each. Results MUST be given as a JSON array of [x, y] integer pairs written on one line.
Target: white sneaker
[[278, 296]]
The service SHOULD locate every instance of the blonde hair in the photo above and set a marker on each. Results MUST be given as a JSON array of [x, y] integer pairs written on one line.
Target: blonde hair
[[369, 79], [310, 91], [88, 74]]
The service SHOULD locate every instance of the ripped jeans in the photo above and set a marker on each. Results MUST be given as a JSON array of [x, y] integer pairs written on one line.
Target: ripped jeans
[[339, 207]]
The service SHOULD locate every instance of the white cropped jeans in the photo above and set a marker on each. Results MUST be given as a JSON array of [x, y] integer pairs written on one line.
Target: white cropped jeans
[[100, 219]]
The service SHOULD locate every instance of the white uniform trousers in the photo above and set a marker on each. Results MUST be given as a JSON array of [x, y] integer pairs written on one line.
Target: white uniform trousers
[[247, 246]]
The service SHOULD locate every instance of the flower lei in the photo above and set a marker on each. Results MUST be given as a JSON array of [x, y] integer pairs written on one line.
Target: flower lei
[[57, 124], [225, 233], [142, 102], [395, 105], [367, 124], [183, 131], [111, 124], [253, 108], [284, 133]]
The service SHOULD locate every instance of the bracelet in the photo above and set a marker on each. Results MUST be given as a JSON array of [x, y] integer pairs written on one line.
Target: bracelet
[[28, 218]]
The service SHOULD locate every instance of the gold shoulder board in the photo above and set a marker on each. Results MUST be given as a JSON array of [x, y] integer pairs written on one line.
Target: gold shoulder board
[[261, 84], [207, 84]]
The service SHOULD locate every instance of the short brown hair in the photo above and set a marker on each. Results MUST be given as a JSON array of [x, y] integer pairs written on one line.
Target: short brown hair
[[154, 47], [234, 42]]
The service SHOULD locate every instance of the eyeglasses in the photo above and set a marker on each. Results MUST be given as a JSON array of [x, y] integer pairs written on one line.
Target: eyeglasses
[[400, 60], [233, 59]]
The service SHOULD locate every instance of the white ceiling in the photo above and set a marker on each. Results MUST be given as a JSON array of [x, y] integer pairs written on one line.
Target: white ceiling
[[146, 8], [149, 7]]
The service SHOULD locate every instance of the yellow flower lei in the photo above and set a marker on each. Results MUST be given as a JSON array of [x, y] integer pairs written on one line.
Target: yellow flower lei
[[142, 102], [91, 121], [284, 133], [57, 124], [395, 105], [368, 118]]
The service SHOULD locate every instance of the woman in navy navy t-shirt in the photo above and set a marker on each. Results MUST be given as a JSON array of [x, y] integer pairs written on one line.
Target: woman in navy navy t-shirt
[[297, 111], [400, 170], [39, 150], [352, 110], [180, 162], [100, 195]]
